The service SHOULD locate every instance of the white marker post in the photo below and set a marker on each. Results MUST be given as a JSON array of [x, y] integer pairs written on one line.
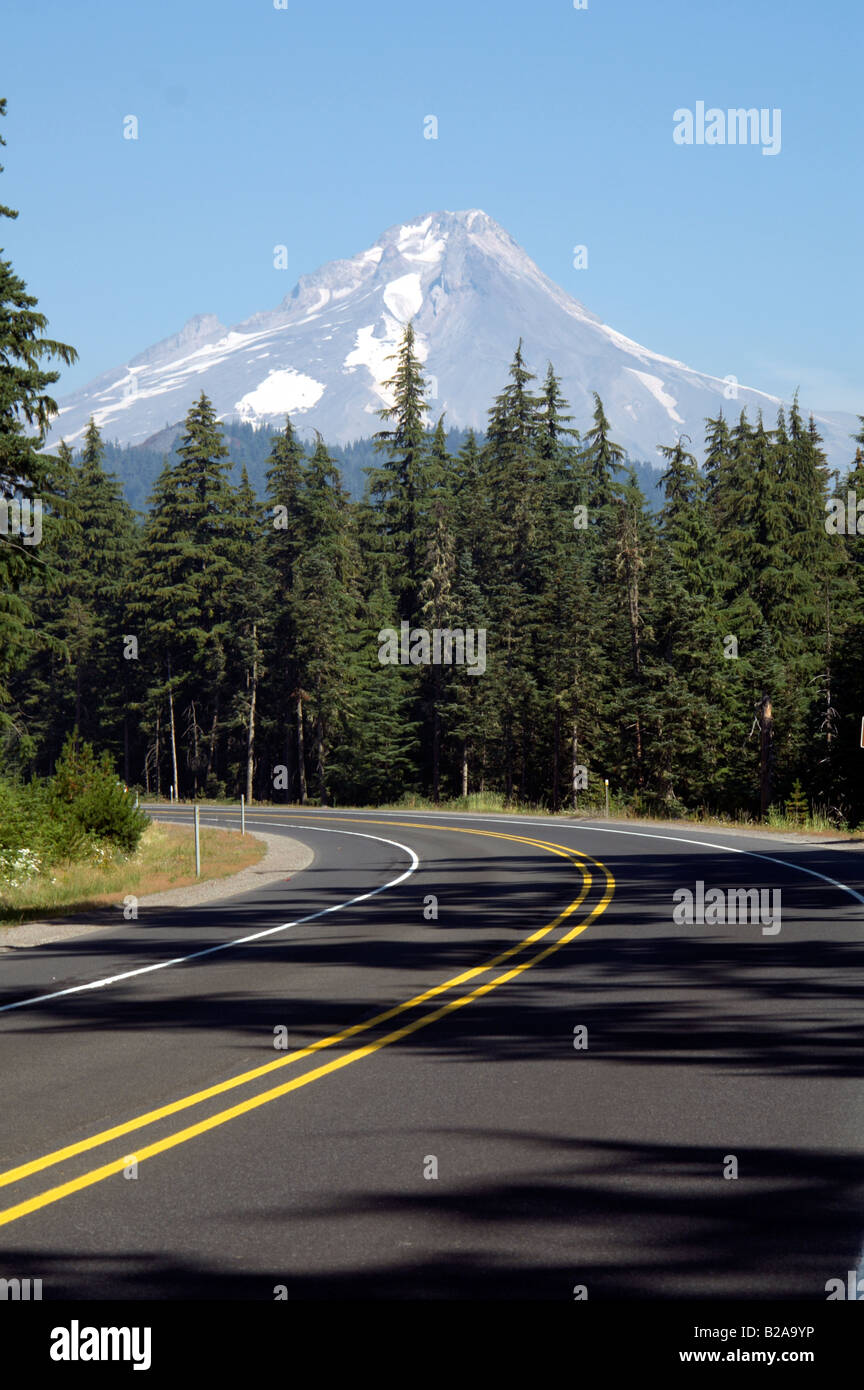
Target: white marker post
[[606, 783], [197, 842], [862, 733], [242, 813]]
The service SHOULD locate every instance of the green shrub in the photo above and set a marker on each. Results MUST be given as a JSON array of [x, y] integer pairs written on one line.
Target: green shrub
[[25, 818], [90, 804]]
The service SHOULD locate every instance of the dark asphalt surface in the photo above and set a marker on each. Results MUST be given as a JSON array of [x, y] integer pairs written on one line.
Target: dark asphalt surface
[[556, 1167]]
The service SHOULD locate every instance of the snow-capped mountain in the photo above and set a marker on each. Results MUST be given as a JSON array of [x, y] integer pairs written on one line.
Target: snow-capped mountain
[[472, 292]]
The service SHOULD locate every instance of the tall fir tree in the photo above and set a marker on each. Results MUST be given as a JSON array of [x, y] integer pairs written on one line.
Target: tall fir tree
[[400, 487], [282, 729], [26, 410], [183, 599]]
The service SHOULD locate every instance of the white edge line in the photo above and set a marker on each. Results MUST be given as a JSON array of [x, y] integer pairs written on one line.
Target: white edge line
[[239, 940]]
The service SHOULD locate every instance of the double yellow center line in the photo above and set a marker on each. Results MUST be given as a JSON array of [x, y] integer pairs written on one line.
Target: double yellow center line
[[182, 1136]]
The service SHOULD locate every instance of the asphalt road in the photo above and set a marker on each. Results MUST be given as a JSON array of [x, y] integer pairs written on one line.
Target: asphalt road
[[430, 1125]]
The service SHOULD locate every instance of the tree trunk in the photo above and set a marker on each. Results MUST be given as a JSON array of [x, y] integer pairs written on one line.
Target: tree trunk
[[556, 754], [158, 755], [436, 751], [173, 740], [321, 759], [211, 750], [465, 767], [575, 764], [636, 643], [250, 732], [289, 756], [195, 753], [301, 756], [508, 736], [766, 758], [829, 712]]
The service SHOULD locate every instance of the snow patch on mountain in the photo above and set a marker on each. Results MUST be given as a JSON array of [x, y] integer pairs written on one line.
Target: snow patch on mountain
[[415, 242], [281, 393], [372, 353], [403, 297], [655, 386], [412, 232]]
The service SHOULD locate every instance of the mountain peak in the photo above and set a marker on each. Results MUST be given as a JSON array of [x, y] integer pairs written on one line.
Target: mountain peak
[[325, 354], [442, 223]]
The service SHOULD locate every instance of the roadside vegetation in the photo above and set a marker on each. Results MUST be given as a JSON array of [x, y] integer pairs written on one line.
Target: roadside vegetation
[[76, 840], [164, 859], [795, 814], [81, 814]]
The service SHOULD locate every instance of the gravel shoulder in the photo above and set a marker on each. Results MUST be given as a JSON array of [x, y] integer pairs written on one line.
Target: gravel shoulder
[[284, 857]]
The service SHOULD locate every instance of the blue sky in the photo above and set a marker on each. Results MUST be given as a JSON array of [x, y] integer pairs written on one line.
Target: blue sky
[[303, 126]]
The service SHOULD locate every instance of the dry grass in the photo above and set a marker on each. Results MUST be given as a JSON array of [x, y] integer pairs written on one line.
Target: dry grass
[[165, 858]]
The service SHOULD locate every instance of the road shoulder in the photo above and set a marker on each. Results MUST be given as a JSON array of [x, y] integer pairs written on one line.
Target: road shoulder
[[284, 858]]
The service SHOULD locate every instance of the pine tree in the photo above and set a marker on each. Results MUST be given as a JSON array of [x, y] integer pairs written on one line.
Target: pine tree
[[556, 438], [601, 461], [469, 713], [815, 594], [797, 808], [471, 507], [515, 471], [26, 410], [436, 612], [41, 708], [718, 457], [247, 618], [400, 488], [376, 762], [600, 497], [104, 547], [632, 558], [438, 464], [183, 605], [325, 606], [685, 662], [837, 774], [280, 697], [562, 606], [569, 642], [514, 474]]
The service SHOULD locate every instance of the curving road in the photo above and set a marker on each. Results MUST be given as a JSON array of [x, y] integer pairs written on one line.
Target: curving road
[[456, 1057]]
